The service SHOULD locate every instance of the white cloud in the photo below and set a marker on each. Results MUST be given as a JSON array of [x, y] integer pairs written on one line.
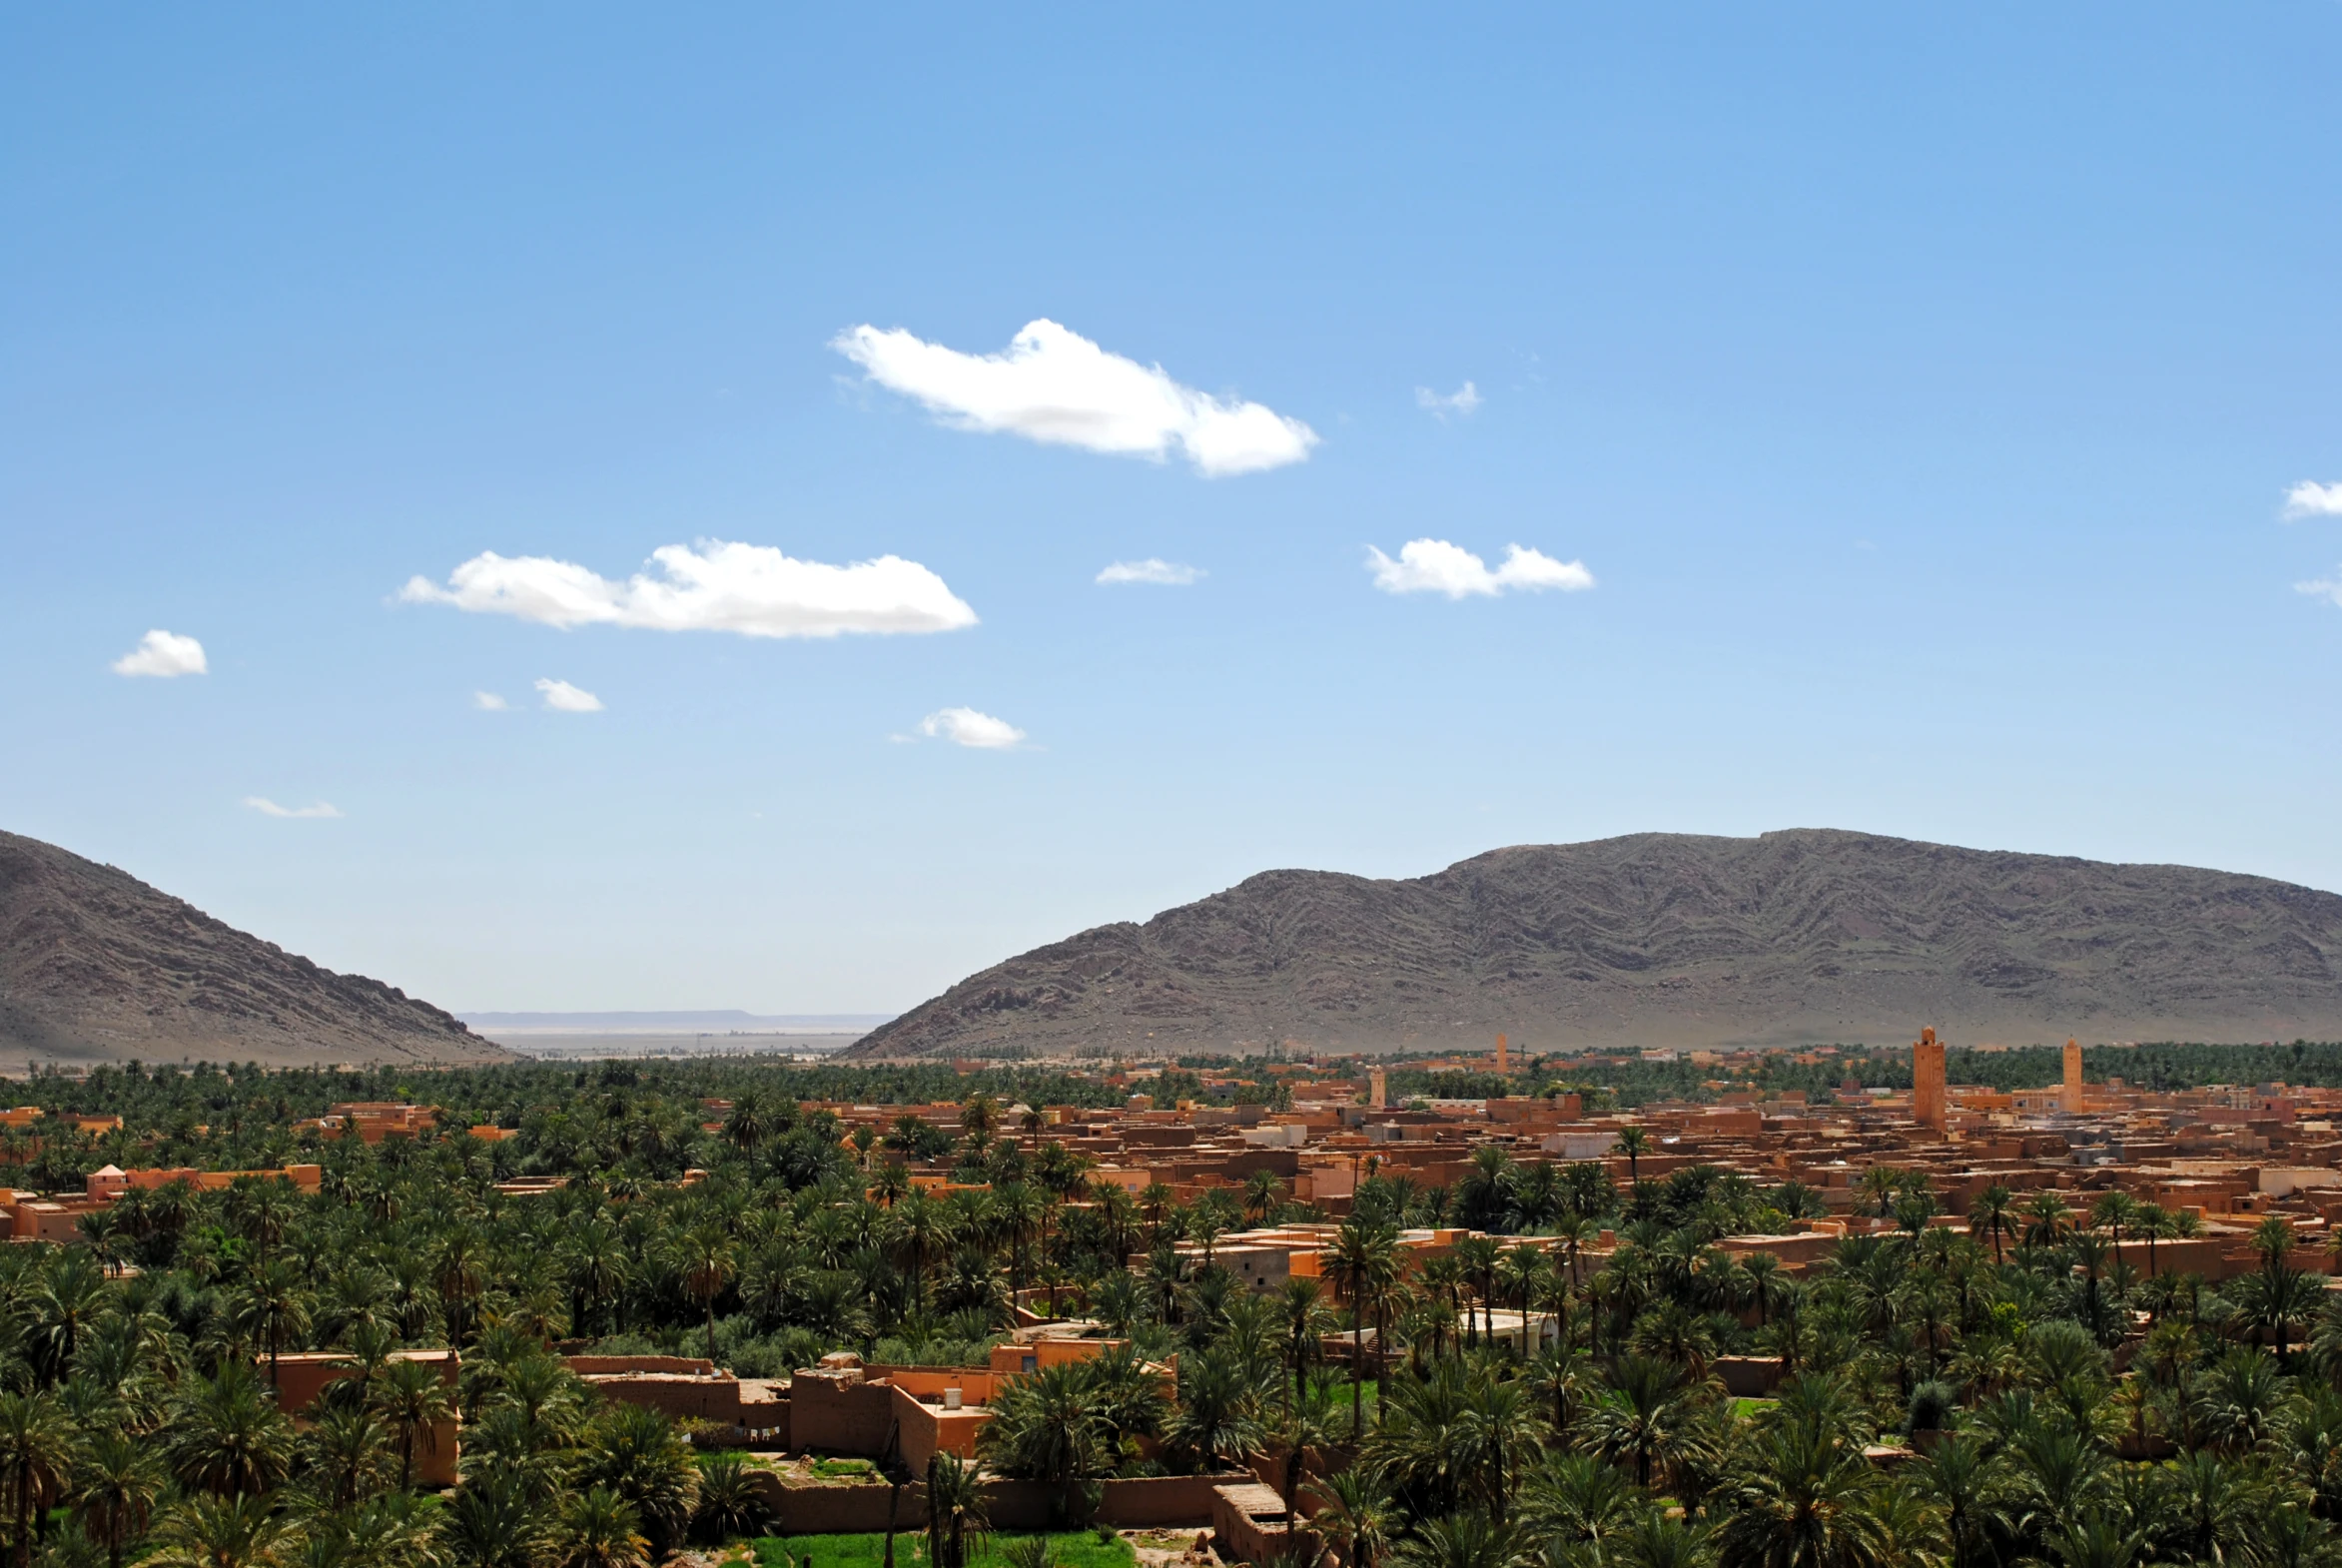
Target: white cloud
[[2323, 588], [269, 808], [562, 697], [1152, 570], [489, 702], [2312, 500], [1057, 387], [1465, 401], [752, 590], [967, 727], [1436, 566], [163, 654]]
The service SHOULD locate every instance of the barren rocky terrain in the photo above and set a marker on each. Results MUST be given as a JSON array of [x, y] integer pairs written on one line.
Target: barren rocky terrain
[[1664, 939], [97, 965]]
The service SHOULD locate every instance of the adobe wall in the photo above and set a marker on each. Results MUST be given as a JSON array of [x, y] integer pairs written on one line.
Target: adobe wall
[[1147, 1502], [859, 1509], [828, 1415], [608, 1365], [1240, 1537], [924, 1430], [1748, 1376], [303, 1375], [677, 1396]]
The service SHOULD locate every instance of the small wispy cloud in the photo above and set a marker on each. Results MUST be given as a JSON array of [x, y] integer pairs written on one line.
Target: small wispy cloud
[[1057, 387], [2312, 500], [269, 808], [1436, 566], [1463, 402], [967, 727], [562, 697], [2323, 588], [751, 589], [490, 702], [1152, 570], [163, 654]]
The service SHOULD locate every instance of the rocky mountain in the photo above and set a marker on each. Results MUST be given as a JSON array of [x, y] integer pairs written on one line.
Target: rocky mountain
[[1661, 939], [97, 965]]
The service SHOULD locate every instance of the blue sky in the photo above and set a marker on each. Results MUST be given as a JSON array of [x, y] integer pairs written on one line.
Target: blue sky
[[1922, 392]]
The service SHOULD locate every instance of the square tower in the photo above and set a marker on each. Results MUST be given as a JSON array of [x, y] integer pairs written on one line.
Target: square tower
[[1927, 1080], [2072, 1098]]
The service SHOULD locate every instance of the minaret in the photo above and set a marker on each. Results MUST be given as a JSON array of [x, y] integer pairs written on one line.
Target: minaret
[[1927, 1080], [2072, 1096], [1503, 1061]]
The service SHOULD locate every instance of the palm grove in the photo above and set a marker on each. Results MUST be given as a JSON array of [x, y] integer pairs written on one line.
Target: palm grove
[[1951, 1391]]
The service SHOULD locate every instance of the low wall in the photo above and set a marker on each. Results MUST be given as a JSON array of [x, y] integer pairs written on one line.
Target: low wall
[[612, 1366], [857, 1508], [1249, 1525], [1147, 1502], [1748, 1376]]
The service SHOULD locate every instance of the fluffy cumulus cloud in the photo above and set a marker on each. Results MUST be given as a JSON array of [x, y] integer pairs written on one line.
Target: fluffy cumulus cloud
[[1168, 574], [163, 654], [269, 808], [752, 590], [562, 697], [1055, 386], [1463, 402], [1436, 566], [2312, 500], [967, 727]]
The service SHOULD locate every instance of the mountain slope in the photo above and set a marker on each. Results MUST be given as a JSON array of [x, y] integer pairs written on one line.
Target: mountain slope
[[97, 965], [1664, 939]]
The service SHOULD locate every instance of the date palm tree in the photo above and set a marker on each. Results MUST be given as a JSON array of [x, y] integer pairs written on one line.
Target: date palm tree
[[1633, 1143], [1219, 1417], [1302, 1312], [1047, 1427], [1462, 1540], [116, 1484], [1641, 1416], [412, 1400], [224, 1532], [271, 1307], [1762, 1280], [956, 1518], [709, 1260], [1355, 1513], [1518, 1274], [1363, 1267], [37, 1452], [2046, 1222], [228, 1437], [1808, 1499], [600, 1529]]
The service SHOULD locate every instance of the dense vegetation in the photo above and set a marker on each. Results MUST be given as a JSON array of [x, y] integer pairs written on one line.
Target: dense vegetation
[[1629, 1082], [2050, 1404]]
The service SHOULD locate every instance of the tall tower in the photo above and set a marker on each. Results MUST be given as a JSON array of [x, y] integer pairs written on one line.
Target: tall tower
[[2072, 1096], [1503, 1060], [1377, 1088], [1927, 1080]]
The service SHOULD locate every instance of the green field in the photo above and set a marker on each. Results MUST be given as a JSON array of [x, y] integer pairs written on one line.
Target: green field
[[1071, 1549]]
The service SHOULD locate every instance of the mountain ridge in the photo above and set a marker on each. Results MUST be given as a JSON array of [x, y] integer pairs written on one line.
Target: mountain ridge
[[97, 965], [1801, 934]]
